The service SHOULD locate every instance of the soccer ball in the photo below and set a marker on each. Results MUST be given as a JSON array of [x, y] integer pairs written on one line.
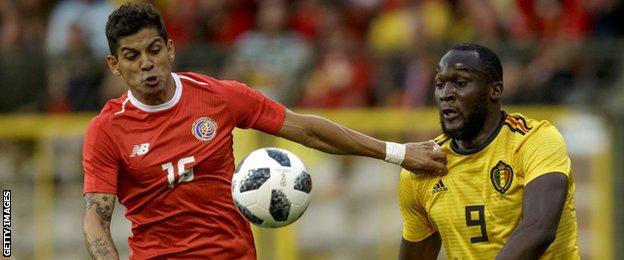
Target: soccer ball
[[271, 187]]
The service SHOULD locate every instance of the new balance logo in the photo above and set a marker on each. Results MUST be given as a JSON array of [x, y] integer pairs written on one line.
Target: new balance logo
[[439, 187], [139, 149]]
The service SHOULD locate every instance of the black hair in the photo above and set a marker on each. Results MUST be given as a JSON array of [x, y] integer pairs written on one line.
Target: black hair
[[489, 60], [130, 18]]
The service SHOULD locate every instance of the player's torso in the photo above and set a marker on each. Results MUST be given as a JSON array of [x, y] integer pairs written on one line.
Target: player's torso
[[476, 206], [175, 173], [163, 150]]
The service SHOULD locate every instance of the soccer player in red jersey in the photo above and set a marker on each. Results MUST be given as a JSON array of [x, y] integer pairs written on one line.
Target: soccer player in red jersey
[[165, 149]]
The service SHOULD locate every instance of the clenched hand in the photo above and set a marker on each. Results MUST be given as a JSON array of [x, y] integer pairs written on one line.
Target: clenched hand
[[422, 158]]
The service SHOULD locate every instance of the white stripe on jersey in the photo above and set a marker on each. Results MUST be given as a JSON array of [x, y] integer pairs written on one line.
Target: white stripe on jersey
[[123, 107], [190, 79]]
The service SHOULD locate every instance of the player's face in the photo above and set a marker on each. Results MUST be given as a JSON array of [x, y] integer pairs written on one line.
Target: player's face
[[461, 95], [144, 62]]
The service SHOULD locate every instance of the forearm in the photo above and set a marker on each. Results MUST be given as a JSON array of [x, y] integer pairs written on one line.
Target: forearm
[[96, 227], [329, 137], [98, 240], [527, 243]]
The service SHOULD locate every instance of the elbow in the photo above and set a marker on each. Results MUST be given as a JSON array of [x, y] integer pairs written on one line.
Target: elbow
[[543, 236], [311, 139], [92, 223], [547, 237]]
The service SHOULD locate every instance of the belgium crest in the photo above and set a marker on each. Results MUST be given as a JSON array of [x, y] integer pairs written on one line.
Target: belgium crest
[[501, 176]]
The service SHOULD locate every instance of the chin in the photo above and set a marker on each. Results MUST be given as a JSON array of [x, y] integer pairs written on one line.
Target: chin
[[454, 126], [454, 131]]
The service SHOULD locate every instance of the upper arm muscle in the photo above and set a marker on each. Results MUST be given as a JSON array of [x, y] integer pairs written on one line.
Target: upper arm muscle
[[100, 205], [544, 198]]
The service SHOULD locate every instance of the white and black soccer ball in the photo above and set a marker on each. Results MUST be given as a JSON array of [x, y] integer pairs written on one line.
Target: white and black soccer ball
[[271, 187]]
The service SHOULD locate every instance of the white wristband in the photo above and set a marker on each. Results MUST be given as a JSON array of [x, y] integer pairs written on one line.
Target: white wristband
[[395, 153]]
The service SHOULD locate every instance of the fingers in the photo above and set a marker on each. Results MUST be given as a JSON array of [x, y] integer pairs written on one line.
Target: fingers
[[425, 158], [439, 159], [436, 147], [438, 168], [438, 156]]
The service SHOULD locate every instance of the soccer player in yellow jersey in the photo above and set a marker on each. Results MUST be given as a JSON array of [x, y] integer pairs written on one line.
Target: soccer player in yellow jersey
[[509, 192]]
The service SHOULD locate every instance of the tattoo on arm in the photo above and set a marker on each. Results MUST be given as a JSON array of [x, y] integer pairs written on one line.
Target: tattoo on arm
[[103, 209], [98, 247], [97, 234]]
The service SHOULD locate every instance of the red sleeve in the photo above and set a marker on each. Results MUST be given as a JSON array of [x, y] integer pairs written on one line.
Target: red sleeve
[[251, 109], [99, 160]]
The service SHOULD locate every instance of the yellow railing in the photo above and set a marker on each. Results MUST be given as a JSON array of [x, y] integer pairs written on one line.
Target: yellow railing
[[281, 244]]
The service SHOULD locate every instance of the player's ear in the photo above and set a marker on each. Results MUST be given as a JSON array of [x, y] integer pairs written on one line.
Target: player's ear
[[497, 90], [170, 51], [113, 65]]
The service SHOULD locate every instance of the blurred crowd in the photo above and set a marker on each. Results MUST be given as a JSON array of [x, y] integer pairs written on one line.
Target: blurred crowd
[[318, 53]]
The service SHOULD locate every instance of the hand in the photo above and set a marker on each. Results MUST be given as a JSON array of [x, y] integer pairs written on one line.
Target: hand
[[423, 158]]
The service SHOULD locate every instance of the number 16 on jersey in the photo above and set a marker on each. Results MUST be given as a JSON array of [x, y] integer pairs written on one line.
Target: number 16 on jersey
[[183, 174]]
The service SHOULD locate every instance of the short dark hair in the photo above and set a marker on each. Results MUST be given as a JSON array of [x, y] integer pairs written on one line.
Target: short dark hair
[[488, 58], [129, 19]]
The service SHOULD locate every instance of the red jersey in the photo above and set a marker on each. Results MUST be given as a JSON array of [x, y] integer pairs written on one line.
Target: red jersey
[[171, 166]]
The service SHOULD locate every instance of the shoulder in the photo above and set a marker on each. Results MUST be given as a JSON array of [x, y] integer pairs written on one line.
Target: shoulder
[[518, 123], [206, 82], [228, 92], [196, 79], [528, 126], [534, 132], [101, 127], [110, 111]]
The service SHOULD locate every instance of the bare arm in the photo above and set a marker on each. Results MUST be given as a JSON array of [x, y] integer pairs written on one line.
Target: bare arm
[[324, 135], [542, 204], [425, 249], [96, 227]]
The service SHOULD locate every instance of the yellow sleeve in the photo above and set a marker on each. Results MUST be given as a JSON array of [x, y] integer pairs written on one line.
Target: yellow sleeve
[[416, 225], [544, 151]]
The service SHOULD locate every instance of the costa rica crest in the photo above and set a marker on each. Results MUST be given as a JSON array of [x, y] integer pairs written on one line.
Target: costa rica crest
[[204, 129], [501, 176]]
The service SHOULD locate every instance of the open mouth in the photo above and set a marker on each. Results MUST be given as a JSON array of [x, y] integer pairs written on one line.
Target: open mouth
[[151, 81], [449, 113]]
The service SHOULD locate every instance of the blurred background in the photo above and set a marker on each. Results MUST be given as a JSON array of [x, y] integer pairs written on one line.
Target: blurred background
[[368, 64]]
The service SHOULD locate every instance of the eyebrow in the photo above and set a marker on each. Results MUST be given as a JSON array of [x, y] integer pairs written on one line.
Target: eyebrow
[[132, 49]]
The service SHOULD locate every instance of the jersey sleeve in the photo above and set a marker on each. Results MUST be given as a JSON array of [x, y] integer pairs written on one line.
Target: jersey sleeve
[[99, 160], [416, 225], [544, 151], [251, 109]]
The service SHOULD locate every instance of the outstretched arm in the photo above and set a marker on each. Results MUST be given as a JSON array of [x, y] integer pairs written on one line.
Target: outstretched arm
[[324, 135], [421, 250], [542, 204], [96, 227]]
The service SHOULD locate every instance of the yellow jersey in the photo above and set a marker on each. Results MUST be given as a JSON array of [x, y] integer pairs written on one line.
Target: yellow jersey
[[478, 204]]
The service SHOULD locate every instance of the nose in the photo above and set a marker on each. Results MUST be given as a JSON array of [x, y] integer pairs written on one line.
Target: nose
[[447, 92], [146, 63]]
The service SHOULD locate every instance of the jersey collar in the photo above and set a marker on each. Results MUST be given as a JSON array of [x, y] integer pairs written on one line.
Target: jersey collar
[[164, 106]]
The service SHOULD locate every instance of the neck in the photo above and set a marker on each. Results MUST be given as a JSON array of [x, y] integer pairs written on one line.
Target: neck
[[158, 97], [492, 122]]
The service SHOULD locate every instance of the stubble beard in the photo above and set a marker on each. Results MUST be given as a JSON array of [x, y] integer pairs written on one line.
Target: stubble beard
[[472, 124]]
